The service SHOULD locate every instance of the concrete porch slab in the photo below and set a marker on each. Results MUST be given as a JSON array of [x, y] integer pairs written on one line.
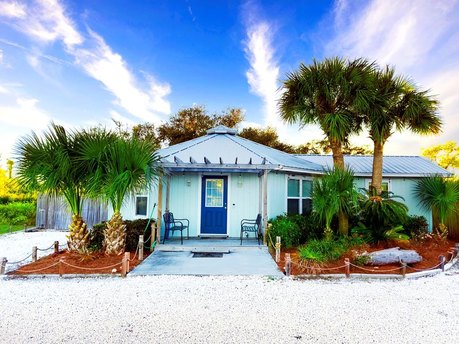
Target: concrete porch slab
[[240, 261]]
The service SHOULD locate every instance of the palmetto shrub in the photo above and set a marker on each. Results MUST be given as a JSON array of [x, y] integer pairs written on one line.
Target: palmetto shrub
[[323, 250]]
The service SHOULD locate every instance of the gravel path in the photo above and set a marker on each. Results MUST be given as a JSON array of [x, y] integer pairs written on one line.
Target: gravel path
[[15, 246], [185, 309]]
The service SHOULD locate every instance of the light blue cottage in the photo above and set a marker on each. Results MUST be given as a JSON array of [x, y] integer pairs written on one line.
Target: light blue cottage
[[219, 179]]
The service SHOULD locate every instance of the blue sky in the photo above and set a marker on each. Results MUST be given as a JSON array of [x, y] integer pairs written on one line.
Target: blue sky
[[80, 63]]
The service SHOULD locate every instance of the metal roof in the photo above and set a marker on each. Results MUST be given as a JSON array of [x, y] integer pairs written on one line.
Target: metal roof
[[221, 149], [393, 166]]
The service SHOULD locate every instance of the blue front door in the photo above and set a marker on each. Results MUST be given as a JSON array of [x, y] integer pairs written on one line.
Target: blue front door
[[214, 205]]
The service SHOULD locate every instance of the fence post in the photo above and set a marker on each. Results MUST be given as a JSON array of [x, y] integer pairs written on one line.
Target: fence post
[[347, 267], [403, 268], [124, 263], [288, 265], [34, 253], [3, 261], [278, 248], [141, 243], [56, 247], [61, 268], [442, 260]]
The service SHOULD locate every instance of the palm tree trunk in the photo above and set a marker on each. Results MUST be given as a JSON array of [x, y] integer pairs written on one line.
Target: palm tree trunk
[[338, 158], [338, 162], [78, 238], [115, 235], [376, 177], [343, 223]]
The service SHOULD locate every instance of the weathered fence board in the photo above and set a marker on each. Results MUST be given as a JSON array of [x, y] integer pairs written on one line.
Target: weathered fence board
[[452, 223], [53, 212]]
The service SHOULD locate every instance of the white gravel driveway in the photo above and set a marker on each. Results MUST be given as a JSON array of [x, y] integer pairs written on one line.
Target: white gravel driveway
[[176, 309], [187, 309]]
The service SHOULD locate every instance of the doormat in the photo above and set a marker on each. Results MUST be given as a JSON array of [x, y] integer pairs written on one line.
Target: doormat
[[207, 255]]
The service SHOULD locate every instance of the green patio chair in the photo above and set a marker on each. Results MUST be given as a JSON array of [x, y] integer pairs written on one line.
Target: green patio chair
[[171, 225], [251, 226]]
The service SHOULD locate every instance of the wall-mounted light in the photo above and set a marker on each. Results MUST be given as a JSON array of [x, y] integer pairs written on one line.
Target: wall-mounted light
[[188, 182], [239, 180]]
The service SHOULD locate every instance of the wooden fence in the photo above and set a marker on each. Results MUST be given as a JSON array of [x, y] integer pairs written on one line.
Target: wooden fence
[[53, 212], [452, 223]]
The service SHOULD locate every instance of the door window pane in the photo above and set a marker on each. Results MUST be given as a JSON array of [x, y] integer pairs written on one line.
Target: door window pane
[[141, 205], [293, 206], [214, 192], [293, 188]]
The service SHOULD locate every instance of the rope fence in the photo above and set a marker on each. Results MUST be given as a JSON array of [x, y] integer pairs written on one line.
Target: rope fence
[[289, 263], [124, 261]]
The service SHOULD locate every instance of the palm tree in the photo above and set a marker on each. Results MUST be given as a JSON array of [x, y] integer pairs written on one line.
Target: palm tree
[[120, 167], [439, 194], [334, 194], [48, 165], [334, 94], [397, 105]]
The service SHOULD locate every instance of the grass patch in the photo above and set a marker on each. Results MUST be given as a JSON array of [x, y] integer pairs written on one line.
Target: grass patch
[[323, 251], [4, 228]]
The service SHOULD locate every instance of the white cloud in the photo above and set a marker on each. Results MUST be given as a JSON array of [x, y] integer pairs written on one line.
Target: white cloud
[[48, 22], [12, 9], [263, 74], [419, 37]]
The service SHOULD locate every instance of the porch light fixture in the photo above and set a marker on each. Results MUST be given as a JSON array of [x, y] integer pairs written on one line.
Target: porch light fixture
[[188, 182], [239, 180]]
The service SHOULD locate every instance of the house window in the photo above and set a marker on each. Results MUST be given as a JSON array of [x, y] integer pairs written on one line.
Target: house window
[[384, 186], [299, 199], [141, 205]]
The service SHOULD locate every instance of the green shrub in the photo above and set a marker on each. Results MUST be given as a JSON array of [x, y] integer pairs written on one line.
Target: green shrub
[[310, 226], [288, 229], [416, 226], [96, 236], [382, 216], [133, 230], [325, 250], [18, 213]]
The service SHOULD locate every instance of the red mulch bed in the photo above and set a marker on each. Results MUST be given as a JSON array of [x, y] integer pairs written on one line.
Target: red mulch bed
[[89, 261], [429, 250]]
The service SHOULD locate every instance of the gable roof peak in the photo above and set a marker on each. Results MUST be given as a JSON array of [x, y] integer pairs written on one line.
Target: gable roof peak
[[221, 129]]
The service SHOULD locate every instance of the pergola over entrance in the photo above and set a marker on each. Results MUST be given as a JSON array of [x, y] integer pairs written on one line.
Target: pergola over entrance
[[222, 151]]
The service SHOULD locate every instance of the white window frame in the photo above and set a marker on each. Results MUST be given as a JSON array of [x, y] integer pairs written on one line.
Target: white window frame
[[388, 181], [135, 205], [300, 197]]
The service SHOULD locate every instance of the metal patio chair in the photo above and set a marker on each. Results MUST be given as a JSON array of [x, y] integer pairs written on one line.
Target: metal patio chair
[[251, 226], [171, 225]]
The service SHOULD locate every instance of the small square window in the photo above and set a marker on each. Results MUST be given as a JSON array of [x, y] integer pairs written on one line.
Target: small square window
[[141, 205], [307, 188]]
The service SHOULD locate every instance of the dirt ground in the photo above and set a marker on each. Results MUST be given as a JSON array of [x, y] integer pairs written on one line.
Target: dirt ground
[[430, 250], [75, 263]]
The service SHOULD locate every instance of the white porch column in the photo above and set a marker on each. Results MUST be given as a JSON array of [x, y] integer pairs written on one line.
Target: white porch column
[[160, 210], [265, 204], [168, 192]]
